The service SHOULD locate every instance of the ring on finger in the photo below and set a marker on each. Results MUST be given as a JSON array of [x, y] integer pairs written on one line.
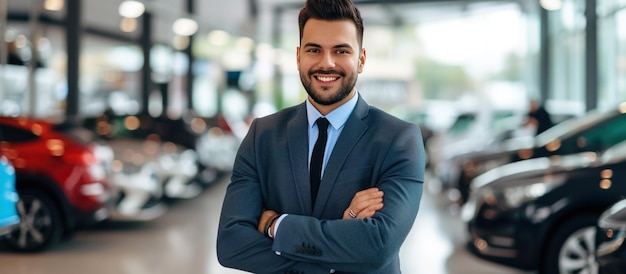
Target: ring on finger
[[351, 213]]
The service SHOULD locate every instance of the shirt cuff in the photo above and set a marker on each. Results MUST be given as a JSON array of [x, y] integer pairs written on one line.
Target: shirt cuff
[[280, 219]]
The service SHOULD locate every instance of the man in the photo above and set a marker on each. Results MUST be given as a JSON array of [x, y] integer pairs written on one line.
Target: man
[[538, 117], [272, 220]]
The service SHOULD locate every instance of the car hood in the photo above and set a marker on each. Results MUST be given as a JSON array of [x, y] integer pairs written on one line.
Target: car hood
[[532, 168], [496, 151]]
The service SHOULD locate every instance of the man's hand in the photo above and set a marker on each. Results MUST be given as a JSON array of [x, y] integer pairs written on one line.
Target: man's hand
[[364, 204], [266, 216]]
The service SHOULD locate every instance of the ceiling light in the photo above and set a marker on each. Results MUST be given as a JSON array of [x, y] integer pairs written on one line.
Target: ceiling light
[[180, 42], [245, 44], [128, 24], [551, 4], [131, 9], [219, 37], [54, 5], [185, 27]]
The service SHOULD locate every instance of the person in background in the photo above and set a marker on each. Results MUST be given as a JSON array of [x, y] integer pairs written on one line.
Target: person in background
[[346, 205], [538, 117]]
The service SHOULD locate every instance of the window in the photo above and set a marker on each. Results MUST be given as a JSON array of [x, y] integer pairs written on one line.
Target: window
[[16, 135]]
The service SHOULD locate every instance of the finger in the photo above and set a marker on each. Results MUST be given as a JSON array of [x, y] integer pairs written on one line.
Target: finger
[[367, 194], [367, 210], [366, 214], [366, 203], [349, 214], [372, 209], [362, 200]]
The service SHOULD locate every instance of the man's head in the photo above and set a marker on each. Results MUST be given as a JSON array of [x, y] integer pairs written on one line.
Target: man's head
[[330, 55], [331, 10], [533, 105]]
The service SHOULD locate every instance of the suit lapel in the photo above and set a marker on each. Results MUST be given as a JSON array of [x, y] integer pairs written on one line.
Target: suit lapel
[[350, 136], [297, 138]]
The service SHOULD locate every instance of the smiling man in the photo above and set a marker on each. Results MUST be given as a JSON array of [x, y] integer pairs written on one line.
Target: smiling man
[[332, 185], [329, 62]]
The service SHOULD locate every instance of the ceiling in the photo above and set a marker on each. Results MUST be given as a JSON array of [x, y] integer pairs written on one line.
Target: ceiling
[[254, 18]]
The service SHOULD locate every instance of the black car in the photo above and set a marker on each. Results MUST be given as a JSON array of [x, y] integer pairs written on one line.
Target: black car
[[541, 214], [611, 250], [595, 131]]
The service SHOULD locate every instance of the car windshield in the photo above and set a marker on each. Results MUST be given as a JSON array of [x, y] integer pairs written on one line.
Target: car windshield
[[566, 127], [462, 123]]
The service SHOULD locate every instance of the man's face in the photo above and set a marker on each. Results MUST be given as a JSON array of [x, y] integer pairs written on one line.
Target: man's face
[[329, 60]]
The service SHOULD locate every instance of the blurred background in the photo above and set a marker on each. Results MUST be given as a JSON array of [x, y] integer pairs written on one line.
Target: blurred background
[[120, 120]]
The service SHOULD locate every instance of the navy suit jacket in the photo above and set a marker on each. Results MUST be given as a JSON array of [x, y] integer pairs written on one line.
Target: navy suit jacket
[[374, 149]]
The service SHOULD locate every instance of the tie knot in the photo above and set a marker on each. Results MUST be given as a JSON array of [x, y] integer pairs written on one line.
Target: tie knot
[[322, 124]]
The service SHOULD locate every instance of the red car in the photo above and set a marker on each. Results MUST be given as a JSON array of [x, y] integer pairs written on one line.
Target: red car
[[61, 182]]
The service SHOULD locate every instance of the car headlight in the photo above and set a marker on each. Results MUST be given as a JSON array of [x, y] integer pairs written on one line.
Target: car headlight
[[611, 241], [612, 229]]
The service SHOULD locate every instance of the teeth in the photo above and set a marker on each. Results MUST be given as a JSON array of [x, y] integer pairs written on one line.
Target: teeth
[[326, 79]]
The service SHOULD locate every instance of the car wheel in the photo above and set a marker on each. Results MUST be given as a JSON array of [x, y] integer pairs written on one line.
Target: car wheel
[[572, 247], [40, 225]]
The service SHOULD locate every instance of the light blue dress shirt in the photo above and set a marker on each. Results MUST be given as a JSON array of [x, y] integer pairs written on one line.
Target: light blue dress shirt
[[337, 119]]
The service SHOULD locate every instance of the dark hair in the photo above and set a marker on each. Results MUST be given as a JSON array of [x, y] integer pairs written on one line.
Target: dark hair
[[331, 10]]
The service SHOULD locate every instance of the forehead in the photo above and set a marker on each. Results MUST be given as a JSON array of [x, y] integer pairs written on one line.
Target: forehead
[[330, 33]]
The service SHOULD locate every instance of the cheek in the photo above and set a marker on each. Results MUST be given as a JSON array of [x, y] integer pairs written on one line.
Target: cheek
[[303, 65]]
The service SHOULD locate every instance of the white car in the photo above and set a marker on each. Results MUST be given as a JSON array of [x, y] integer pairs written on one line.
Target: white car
[[139, 190]]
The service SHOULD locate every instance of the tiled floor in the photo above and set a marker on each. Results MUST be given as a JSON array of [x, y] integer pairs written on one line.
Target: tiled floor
[[183, 241]]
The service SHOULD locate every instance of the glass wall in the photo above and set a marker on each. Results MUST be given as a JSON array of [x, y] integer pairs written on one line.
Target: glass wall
[[611, 53], [567, 51], [33, 80], [486, 46], [225, 76], [484, 50], [110, 73]]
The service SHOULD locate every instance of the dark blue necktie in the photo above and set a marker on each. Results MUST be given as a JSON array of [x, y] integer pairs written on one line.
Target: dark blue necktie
[[318, 157]]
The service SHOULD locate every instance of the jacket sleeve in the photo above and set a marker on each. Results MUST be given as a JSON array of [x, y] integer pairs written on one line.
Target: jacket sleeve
[[239, 244], [364, 244]]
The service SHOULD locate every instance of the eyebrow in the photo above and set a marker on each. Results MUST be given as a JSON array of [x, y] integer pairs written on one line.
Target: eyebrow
[[344, 45]]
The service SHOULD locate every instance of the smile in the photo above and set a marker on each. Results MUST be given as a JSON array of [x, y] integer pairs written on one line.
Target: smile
[[326, 78]]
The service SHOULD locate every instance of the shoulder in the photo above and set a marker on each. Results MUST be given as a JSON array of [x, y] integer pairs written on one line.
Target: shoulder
[[389, 127], [375, 117], [383, 119], [281, 117]]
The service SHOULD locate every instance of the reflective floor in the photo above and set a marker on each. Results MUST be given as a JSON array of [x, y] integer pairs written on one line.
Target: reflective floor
[[183, 241]]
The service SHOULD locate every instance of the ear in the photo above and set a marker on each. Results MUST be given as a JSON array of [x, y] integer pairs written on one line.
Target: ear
[[298, 57], [362, 58]]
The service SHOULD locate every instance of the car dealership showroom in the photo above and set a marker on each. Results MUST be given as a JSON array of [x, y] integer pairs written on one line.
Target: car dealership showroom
[[125, 123]]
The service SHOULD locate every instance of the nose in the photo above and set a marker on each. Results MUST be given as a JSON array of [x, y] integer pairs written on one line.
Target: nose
[[327, 60]]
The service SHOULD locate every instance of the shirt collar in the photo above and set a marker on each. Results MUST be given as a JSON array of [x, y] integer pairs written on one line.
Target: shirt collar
[[337, 117]]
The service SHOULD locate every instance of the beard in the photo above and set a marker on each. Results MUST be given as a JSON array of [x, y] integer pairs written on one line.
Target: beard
[[347, 85]]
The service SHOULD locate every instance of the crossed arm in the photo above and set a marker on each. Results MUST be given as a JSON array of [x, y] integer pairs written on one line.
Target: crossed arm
[[363, 205]]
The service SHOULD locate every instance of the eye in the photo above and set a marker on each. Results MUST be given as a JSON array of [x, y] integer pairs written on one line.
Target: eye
[[342, 51], [313, 50]]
